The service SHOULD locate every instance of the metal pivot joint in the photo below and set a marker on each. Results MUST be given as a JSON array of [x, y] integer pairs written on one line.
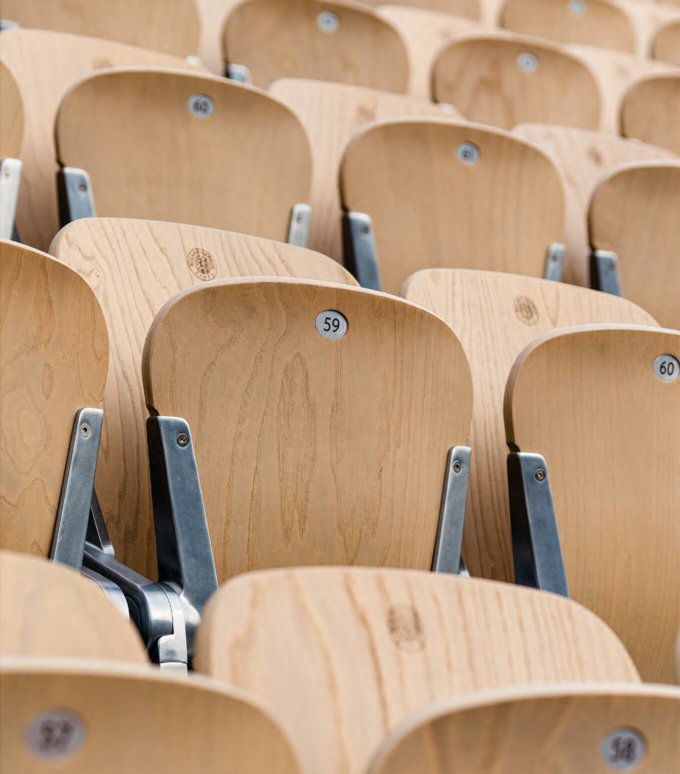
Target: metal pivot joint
[[298, 228], [448, 545], [359, 249], [75, 195], [10, 180], [536, 549], [239, 73], [554, 262], [604, 272]]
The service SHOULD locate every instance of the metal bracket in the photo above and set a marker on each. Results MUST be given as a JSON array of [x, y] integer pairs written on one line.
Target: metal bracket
[[239, 73], [73, 514], [298, 229], [359, 249], [110, 589], [10, 180], [185, 558], [554, 262], [75, 195], [6, 24], [604, 272], [447, 547], [536, 548]]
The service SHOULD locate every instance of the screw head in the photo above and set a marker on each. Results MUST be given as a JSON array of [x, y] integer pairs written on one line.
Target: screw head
[[540, 475], [85, 430], [182, 440], [298, 218], [457, 467], [82, 187], [365, 230], [611, 268]]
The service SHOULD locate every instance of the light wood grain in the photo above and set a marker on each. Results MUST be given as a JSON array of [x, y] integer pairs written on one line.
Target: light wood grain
[[283, 40], [425, 32], [588, 400], [45, 65], [429, 210], [341, 656], [482, 76], [534, 730], [48, 609], [583, 158], [331, 114], [634, 212], [666, 43], [604, 23], [495, 316], [249, 163], [134, 267], [311, 451], [11, 116], [651, 111], [213, 14], [647, 18], [137, 720], [54, 355], [469, 9]]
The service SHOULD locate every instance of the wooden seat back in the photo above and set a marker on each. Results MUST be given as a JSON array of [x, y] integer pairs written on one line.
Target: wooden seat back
[[495, 316], [576, 727], [583, 158], [503, 80], [48, 609], [54, 354], [650, 111], [468, 9], [666, 43], [86, 715], [635, 213], [339, 41], [11, 116], [249, 162], [310, 450], [341, 656], [134, 267], [45, 65], [588, 399], [430, 209]]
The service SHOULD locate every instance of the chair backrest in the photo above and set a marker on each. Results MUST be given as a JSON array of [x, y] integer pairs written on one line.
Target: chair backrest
[[310, 450], [331, 114], [134, 267], [54, 355], [48, 609], [495, 316], [503, 80], [342, 41], [635, 213], [650, 111], [582, 158], [468, 9], [439, 192], [11, 116], [171, 26], [666, 43], [576, 727], [602, 405], [249, 161], [45, 65], [86, 716], [341, 656], [602, 23]]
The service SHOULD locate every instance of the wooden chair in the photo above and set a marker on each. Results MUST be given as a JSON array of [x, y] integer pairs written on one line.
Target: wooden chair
[[249, 169], [571, 728], [331, 114], [433, 193], [341, 656], [53, 362], [583, 158], [50, 610], [665, 45], [171, 26], [45, 65], [134, 267], [593, 416], [634, 215], [651, 111], [328, 424], [342, 41], [602, 23], [503, 80], [466, 9], [107, 717], [495, 316], [11, 139]]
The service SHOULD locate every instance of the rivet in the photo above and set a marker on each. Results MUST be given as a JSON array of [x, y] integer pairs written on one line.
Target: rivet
[[85, 430], [182, 440], [540, 475], [298, 218], [611, 268], [365, 230], [82, 187], [457, 467]]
